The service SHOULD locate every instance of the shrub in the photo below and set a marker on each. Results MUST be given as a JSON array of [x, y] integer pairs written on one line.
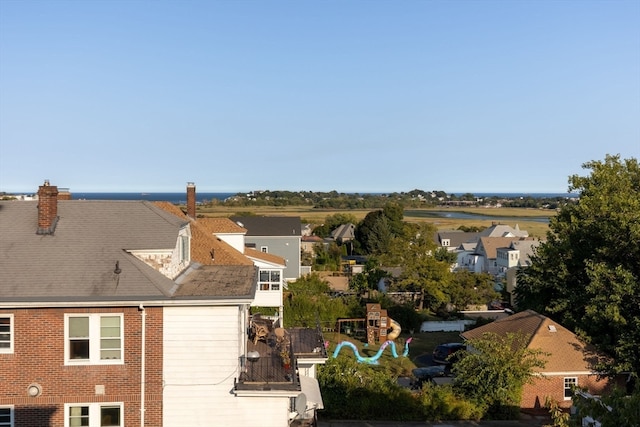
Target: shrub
[[440, 402]]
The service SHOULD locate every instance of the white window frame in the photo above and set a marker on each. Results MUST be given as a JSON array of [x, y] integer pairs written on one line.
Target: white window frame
[[11, 416], [273, 285], [571, 381], [264, 249], [94, 340], [8, 350], [94, 412]]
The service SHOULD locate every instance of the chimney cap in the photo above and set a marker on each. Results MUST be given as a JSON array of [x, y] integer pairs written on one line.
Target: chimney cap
[[46, 183], [190, 184]]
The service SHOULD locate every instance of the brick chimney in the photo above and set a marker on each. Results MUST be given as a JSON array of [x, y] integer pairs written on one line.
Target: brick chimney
[[47, 208], [64, 194], [191, 200]]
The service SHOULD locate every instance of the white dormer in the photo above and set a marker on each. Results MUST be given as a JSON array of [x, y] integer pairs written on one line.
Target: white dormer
[[169, 262]]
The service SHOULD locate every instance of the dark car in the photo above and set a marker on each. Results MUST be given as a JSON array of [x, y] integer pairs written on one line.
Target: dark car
[[427, 374], [443, 352]]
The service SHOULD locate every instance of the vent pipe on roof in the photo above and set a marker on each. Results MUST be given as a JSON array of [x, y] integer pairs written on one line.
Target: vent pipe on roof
[[191, 200], [47, 208]]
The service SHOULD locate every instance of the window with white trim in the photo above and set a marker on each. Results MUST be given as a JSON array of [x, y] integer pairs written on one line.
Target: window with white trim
[[269, 280], [185, 255], [569, 384], [93, 339], [93, 415], [6, 416], [6, 334], [264, 249]]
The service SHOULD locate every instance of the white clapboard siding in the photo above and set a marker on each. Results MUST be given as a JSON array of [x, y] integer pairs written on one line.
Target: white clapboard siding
[[200, 362]]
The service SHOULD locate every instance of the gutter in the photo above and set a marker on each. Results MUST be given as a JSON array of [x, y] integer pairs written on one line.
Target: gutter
[[113, 303], [143, 356]]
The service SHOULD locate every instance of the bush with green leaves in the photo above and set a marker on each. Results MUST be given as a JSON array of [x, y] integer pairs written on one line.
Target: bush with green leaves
[[440, 402], [308, 302], [494, 370], [358, 391]]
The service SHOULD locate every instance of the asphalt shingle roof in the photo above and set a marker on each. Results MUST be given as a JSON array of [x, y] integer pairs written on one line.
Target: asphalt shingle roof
[[270, 225], [78, 261], [567, 353]]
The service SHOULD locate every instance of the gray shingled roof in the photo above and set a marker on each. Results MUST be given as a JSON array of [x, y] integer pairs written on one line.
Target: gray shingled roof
[[225, 281], [456, 237], [270, 225], [78, 261]]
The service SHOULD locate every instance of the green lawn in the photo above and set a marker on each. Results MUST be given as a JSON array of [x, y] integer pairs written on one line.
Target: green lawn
[[422, 343]]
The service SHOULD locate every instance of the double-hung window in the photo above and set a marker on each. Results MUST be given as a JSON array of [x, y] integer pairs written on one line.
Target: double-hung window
[[93, 415], [94, 339], [569, 384], [269, 280], [6, 334], [6, 416]]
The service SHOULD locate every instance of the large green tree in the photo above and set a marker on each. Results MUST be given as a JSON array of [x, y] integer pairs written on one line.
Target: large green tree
[[494, 371], [369, 279], [468, 288], [375, 231], [308, 302], [414, 250], [587, 273]]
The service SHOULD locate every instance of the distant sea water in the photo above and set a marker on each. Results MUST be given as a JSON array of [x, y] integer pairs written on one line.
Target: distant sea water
[[181, 198]]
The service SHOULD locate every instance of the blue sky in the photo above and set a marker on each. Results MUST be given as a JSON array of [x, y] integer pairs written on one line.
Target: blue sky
[[346, 95]]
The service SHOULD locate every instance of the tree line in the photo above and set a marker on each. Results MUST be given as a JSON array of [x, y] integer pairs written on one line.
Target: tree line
[[411, 199]]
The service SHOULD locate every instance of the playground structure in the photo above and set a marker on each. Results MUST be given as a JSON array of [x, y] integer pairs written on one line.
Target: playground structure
[[377, 324], [375, 327]]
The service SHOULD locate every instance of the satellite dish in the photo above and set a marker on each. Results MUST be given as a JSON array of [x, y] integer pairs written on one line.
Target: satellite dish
[[301, 403]]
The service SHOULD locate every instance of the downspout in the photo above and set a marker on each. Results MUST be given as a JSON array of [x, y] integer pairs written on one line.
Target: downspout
[[143, 356]]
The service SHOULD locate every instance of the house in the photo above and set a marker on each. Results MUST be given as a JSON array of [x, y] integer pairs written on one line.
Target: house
[[503, 230], [452, 239], [487, 253], [569, 362], [131, 313], [278, 235], [512, 258], [465, 245], [344, 233], [269, 292], [308, 243]]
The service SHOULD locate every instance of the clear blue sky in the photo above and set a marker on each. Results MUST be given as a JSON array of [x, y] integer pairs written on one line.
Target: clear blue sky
[[346, 95]]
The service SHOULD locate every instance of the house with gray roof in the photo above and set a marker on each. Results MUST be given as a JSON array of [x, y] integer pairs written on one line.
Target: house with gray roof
[[343, 233], [278, 235], [128, 313]]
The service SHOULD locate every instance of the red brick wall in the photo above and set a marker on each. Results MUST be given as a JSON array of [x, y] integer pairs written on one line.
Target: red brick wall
[[38, 357], [47, 205], [191, 200], [534, 395]]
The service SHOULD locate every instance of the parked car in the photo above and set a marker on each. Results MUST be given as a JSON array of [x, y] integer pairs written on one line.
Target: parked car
[[499, 305], [432, 374], [443, 353]]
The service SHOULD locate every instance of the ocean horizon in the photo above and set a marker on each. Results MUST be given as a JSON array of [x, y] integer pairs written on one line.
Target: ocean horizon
[[180, 198]]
